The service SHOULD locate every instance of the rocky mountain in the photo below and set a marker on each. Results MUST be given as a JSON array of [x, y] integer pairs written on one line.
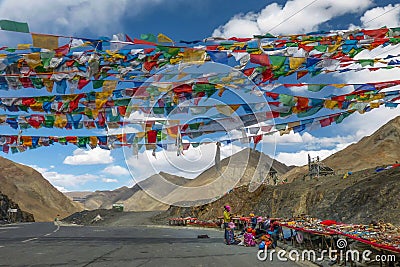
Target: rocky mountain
[[134, 198], [360, 198], [378, 149], [10, 211], [247, 167], [33, 193], [374, 150], [158, 191]]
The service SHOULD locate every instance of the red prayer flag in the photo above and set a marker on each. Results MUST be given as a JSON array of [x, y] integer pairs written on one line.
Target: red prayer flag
[[262, 59]]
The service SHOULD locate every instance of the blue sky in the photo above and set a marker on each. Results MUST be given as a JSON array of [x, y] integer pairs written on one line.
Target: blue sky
[[71, 169]]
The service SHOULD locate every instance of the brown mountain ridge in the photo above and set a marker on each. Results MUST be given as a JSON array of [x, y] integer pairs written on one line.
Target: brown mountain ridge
[[33, 193]]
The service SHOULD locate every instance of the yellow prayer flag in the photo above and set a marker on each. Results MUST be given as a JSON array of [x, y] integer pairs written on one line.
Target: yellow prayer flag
[[295, 62], [378, 96], [339, 85], [331, 104], [23, 46], [109, 85], [293, 124], [333, 48], [3, 118], [224, 109], [140, 134], [164, 87], [45, 41], [161, 38], [38, 106], [226, 79], [49, 84], [182, 75], [374, 105], [26, 140], [286, 131], [33, 60], [100, 103], [60, 121], [296, 110], [176, 60], [93, 141], [194, 55]]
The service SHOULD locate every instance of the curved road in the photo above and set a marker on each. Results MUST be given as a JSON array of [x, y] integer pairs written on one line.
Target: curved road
[[45, 244]]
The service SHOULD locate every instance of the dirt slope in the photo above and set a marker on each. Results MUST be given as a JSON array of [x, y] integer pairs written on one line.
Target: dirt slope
[[362, 197], [152, 194], [243, 168], [377, 149], [374, 150], [33, 193]]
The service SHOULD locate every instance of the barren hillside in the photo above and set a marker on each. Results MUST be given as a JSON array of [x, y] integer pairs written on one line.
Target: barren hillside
[[360, 198], [378, 149], [33, 193], [134, 199], [154, 193]]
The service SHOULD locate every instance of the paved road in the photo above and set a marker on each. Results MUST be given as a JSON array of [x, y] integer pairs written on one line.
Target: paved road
[[44, 244]]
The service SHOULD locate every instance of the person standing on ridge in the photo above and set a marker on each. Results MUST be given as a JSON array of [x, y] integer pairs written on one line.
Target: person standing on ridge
[[227, 220]]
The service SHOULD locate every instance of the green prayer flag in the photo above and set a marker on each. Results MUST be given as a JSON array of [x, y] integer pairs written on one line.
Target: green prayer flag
[[321, 48], [23, 108], [267, 35], [194, 126], [158, 110], [14, 150], [37, 83], [161, 136], [24, 125], [366, 62], [203, 87], [286, 100], [82, 141], [149, 37], [122, 102], [49, 121], [309, 112], [277, 61], [46, 58], [97, 84], [281, 126], [14, 26], [315, 87]]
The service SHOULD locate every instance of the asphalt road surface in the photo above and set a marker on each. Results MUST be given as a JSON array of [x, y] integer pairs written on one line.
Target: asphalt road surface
[[45, 244]]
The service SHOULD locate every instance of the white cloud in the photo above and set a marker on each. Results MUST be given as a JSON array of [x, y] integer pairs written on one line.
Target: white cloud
[[311, 141], [108, 180], [381, 16], [300, 158], [88, 157], [61, 189], [65, 181], [308, 19], [116, 170], [73, 17]]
